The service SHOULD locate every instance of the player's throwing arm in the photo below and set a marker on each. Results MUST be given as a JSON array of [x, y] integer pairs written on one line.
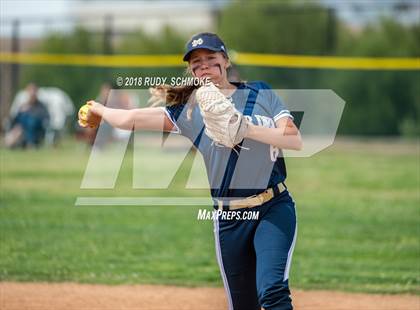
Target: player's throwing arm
[[91, 114]]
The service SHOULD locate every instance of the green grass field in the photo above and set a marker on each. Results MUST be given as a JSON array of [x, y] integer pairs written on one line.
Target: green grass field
[[358, 213]]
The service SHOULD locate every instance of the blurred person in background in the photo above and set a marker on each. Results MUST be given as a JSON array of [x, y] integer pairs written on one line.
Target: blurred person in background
[[60, 108], [29, 123]]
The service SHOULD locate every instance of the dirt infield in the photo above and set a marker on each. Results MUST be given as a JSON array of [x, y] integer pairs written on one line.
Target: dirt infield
[[66, 296]]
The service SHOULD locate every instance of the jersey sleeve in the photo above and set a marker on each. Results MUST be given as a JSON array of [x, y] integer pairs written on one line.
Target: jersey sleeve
[[277, 106], [177, 114]]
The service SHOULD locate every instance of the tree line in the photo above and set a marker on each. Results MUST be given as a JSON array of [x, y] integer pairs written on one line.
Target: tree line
[[378, 102]]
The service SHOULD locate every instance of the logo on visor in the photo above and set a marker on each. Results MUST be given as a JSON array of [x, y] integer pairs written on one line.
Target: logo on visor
[[197, 42]]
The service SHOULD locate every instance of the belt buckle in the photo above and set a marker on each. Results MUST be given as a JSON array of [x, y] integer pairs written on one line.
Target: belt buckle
[[266, 195], [261, 197]]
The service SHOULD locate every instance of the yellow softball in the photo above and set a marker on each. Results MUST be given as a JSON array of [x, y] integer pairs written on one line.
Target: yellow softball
[[83, 113]]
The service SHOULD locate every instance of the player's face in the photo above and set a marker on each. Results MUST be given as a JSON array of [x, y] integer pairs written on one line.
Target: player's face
[[208, 64]]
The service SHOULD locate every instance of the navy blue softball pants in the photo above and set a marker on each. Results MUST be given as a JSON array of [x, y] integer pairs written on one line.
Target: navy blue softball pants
[[254, 256]]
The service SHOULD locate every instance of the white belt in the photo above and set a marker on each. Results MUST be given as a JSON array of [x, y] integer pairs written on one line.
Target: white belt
[[252, 201]]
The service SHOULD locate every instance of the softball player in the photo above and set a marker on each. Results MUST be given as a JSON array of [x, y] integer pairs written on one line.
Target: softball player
[[254, 255]]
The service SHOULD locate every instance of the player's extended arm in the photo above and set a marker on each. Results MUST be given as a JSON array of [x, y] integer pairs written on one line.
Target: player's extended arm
[[137, 119], [285, 136]]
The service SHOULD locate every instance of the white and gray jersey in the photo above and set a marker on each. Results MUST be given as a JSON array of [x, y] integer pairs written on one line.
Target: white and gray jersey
[[255, 166]]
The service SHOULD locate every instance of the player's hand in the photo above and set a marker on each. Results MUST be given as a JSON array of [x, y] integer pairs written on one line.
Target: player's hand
[[90, 114]]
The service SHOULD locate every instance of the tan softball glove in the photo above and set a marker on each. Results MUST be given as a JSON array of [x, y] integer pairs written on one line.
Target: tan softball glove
[[224, 124]]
